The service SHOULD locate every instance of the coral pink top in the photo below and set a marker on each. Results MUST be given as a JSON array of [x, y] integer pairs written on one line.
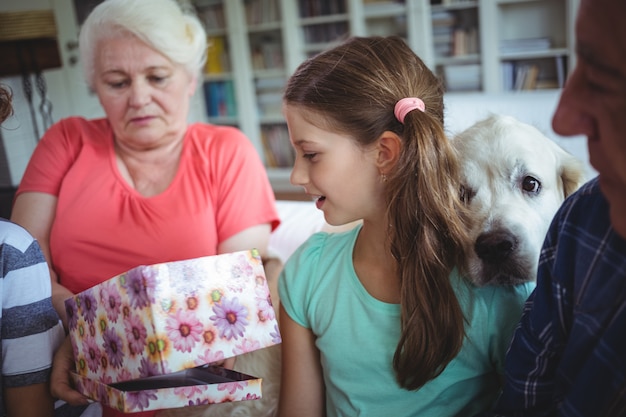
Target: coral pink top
[[104, 227]]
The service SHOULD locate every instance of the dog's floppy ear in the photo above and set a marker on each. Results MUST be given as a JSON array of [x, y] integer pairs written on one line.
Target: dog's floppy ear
[[572, 173]]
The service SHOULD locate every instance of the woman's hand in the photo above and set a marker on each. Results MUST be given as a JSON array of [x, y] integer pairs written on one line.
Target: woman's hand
[[60, 384]]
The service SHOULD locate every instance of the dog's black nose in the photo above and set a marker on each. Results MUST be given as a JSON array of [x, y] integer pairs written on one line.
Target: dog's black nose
[[495, 247]]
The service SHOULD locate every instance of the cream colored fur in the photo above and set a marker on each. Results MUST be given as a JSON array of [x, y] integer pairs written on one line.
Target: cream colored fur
[[515, 179]]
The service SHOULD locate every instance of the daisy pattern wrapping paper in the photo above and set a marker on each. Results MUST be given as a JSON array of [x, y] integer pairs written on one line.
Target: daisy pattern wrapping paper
[[163, 318]]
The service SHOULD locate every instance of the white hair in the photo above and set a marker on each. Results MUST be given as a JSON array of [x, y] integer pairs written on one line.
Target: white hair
[[161, 24]]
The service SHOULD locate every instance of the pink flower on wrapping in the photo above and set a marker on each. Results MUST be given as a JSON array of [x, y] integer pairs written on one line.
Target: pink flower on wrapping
[[232, 387], [243, 268], [111, 299], [122, 375], [264, 304], [184, 330], [92, 353], [113, 347], [246, 346], [209, 356], [102, 393], [140, 400], [230, 318], [187, 391], [136, 334]]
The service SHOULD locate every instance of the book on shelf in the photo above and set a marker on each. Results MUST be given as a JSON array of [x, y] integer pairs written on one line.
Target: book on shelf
[[278, 150], [560, 70], [464, 41], [220, 99], [218, 60], [534, 74], [212, 15], [267, 54], [261, 11]]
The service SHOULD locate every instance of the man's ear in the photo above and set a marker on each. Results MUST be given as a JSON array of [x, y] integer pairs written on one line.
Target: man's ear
[[389, 146]]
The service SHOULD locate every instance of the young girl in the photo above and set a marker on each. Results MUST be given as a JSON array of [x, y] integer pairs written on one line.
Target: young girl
[[377, 321]]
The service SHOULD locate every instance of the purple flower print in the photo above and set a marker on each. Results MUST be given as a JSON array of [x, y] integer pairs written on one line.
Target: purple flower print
[[111, 299], [88, 306], [199, 401], [148, 368], [276, 337], [136, 334], [136, 288], [92, 353], [184, 330], [140, 400], [251, 396], [113, 347], [71, 310], [230, 318]]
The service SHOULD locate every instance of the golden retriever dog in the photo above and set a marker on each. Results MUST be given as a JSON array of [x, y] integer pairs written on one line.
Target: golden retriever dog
[[514, 180]]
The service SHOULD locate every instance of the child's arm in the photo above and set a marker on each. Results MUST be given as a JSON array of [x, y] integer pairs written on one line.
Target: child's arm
[[29, 401], [302, 391]]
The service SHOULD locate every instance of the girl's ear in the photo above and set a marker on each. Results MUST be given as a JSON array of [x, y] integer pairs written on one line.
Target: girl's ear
[[389, 146]]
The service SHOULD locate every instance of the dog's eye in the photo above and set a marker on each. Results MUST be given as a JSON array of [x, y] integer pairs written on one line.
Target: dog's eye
[[531, 185], [466, 194]]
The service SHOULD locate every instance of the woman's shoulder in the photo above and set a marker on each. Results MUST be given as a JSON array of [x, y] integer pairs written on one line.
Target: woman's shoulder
[[78, 129], [216, 135]]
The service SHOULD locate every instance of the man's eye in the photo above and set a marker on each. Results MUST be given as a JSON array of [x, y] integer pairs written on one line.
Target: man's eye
[[309, 156]]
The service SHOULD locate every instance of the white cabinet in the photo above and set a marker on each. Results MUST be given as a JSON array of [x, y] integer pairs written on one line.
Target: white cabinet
[[489, 46]]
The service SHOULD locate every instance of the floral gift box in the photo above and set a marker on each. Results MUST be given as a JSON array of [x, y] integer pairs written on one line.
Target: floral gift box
[[158, 320]]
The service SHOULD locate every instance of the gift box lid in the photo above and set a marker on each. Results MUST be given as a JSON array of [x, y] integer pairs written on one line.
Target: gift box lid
[[163, 318], [190, 387]]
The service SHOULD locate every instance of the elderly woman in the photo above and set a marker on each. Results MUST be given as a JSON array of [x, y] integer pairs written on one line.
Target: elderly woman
[[140, 186]]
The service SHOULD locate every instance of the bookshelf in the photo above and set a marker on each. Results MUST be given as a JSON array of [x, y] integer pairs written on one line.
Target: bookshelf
[[532, 44], [489, 46]]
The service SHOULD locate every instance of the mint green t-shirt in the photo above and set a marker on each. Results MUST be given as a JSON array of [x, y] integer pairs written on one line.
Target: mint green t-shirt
[[357, 335]]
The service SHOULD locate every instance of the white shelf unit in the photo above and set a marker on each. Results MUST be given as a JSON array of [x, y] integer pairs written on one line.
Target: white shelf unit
[[265, 40]]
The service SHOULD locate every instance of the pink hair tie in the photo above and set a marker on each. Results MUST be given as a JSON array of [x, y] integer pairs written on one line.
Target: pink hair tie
[[406, 105]]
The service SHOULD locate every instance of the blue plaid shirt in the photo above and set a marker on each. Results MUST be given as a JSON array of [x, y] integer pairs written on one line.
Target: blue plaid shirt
[[568, 354]]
